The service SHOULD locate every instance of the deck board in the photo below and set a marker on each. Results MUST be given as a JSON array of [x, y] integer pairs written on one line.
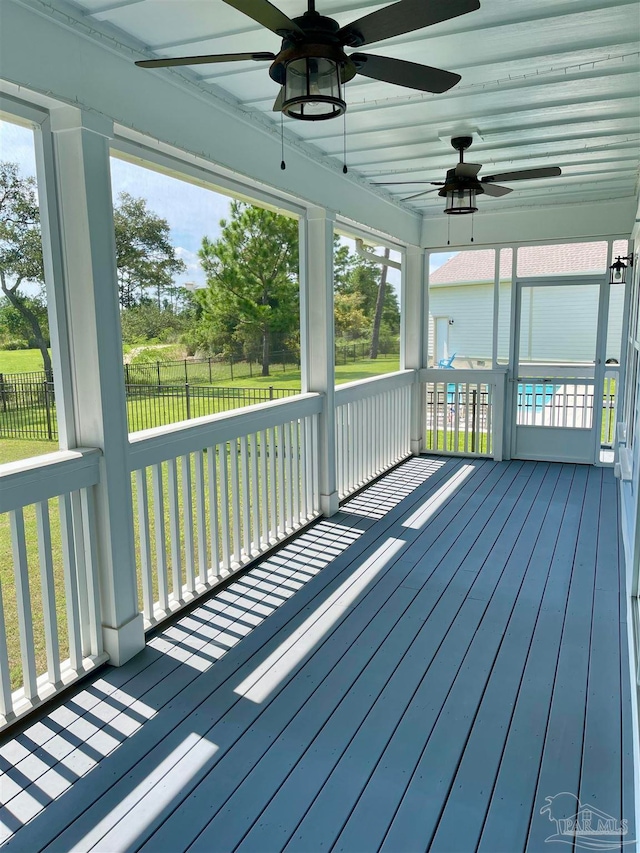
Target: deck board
[[421, 670]]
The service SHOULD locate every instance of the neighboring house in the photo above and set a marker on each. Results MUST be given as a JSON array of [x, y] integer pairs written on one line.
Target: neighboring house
[[461, 306]]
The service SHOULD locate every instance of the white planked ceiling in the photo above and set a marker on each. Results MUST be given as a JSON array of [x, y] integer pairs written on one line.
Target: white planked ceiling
[[544, 82]]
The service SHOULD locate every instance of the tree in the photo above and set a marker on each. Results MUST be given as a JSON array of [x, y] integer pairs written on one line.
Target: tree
[[377, 317], [145, 257], [12, 322], [350, 320], [378, 302], [252, 280], [21, 251], [144, 254]]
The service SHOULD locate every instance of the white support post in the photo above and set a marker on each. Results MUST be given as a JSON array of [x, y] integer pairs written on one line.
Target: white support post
[[414, 337], [317, 341], [85, 217]]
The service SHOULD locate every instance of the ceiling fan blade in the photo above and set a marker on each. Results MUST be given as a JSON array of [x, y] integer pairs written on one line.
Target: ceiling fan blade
[[467, 170], [279, 101], [495, 189], [402, 17], [524, 174], [403, 73], [268, 15], [417, 195], [411, 183], [203, 60]]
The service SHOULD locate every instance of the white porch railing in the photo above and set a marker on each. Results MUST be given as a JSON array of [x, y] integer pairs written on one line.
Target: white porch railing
[[555, 402], [212, 494], [465, 411], [48, 644], [372, 428]]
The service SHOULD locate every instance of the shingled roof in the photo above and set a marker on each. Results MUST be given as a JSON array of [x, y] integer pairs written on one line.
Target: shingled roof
[[476, 266]]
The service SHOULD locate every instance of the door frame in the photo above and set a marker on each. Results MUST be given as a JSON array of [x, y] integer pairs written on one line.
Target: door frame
[[600, 280]]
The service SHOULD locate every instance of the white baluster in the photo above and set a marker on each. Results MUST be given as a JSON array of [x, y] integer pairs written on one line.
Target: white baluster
[[245, 496], [264, 487], [161, 542], [255, 498], [273, 486], [6, 700], [23, 602], [214, 539], [235, 502], [145, 543], [288, 477], [223, 453], [187, 515], [201, 524], [47, 583], [91, 563], [70, 581], [295, 458]]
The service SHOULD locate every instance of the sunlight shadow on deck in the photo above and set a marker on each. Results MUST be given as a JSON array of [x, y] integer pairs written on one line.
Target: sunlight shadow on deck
[[258, 685], [430, 507], [41, 768]]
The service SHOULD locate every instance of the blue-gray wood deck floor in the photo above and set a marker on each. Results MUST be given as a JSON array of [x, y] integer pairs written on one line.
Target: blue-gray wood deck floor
[[426, 670]]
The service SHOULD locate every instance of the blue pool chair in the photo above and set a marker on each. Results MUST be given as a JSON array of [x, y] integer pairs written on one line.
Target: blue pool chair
[[447, 363]]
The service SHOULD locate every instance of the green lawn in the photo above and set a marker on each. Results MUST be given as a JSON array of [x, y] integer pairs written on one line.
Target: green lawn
[[20, 360]]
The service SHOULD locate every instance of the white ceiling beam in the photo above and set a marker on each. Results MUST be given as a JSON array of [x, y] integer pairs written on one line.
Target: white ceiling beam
[[571, 221]]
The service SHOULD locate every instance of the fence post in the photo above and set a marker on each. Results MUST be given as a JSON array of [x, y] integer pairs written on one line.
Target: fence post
[[210, 380], [474, 414], [47, 409], [3, 392], [158, 371], [186, 375], [231, 366], [186, 389], [271, 392]]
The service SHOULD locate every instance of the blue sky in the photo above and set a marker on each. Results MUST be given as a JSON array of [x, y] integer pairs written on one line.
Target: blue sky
[[191, 211]]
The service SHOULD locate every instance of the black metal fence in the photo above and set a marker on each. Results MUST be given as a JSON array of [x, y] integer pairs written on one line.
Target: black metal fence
[[204, 371], [158, 393], [159, 405], [27, 409]]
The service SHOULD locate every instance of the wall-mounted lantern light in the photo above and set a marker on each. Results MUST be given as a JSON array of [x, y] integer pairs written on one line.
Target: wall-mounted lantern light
[[618, 269]]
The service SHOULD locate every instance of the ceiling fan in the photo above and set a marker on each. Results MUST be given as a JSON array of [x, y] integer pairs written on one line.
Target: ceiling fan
[[312, 66], [462, 185]]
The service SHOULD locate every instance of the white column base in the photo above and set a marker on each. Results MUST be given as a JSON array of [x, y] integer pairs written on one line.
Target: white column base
[[329, 504], [417, 446], [123, 643]]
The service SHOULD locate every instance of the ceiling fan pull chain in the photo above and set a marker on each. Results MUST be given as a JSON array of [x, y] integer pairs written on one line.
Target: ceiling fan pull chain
[[283, 165], [472, 227], [448, 230]]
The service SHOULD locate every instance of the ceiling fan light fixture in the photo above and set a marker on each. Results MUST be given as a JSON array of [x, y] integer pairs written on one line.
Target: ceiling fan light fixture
[[313, 89], [460, 201]]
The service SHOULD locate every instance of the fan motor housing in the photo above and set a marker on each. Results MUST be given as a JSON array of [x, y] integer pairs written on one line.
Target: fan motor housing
[[457, 183]]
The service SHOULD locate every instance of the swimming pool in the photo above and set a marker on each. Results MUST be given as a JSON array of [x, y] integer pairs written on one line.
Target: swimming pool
[[527, 394]]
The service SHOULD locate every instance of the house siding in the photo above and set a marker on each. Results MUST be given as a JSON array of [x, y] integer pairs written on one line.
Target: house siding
[[470, 306]]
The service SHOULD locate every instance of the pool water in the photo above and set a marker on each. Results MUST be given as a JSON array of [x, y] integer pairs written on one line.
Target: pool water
[[526, 395]]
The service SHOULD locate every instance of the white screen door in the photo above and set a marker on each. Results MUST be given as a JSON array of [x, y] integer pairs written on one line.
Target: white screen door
[[554, 387]]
